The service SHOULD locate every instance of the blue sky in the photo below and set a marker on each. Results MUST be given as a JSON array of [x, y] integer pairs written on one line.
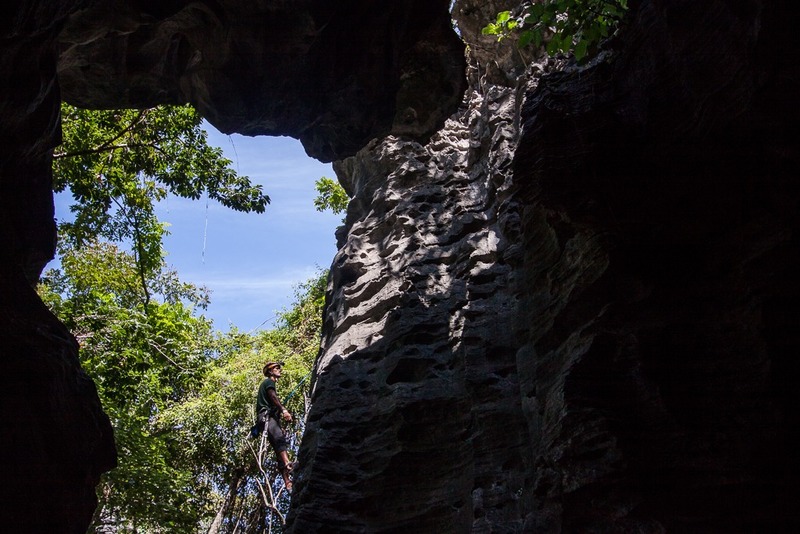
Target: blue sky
[[251, 262]]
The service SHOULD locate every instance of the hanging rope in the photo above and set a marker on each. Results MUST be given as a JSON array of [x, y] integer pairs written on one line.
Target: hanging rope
[[205, 234], [294, 389]]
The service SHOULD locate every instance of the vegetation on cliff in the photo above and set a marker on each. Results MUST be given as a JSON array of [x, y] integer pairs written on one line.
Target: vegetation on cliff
[[565, 26], [180, 396]]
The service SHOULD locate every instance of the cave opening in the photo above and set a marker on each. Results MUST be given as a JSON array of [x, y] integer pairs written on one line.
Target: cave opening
[[153, 251]]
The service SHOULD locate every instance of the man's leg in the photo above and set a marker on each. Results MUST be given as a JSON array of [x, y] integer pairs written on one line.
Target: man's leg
[[278, 441], [286, 468]]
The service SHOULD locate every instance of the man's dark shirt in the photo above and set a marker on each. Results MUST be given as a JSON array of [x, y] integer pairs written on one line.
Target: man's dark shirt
[[263, 401]]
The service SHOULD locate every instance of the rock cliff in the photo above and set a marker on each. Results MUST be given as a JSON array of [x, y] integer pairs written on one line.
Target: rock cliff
[[568, 304], [573, 309]]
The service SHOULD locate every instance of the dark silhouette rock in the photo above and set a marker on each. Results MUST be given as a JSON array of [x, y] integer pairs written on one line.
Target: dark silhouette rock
[[659, 376], [572, 310], [333, 75]]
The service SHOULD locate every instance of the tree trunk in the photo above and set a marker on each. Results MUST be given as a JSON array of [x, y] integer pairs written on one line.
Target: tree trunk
[[228, 503]]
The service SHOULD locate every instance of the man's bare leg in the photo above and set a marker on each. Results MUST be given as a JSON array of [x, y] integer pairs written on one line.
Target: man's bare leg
[[285, 469]]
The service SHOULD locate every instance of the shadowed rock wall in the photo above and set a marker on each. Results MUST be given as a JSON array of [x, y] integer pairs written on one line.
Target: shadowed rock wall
[[573, 309], [659, 247], [332, 74], [416, 404], [55, 440]]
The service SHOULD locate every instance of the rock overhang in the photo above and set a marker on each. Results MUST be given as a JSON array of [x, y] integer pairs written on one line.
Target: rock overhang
[[333, 76]]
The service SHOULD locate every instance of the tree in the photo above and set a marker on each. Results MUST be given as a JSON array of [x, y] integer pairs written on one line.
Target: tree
[[118, 163], [144, 354], [180, 397], [213, 425], [332, 196], [561, 25]]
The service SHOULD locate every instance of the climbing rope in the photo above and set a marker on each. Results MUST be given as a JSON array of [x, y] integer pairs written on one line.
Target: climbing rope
[[294, 389]]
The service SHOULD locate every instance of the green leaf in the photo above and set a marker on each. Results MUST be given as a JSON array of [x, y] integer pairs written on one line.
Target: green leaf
[[535, 11], [118, 163], [331, 196], [580, 49], [525, 38]]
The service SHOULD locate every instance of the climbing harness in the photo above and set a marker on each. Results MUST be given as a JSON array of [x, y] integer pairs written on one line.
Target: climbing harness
[[257, 428]]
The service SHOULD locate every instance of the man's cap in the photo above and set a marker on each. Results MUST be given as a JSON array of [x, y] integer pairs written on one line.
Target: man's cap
[[270, 365]]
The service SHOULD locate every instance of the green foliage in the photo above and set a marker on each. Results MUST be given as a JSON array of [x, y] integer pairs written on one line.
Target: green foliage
[[561, 25], [181, 399], [118, 163], [332, 196], [144, 355], [212, 425], [298, 327], [180, 396]]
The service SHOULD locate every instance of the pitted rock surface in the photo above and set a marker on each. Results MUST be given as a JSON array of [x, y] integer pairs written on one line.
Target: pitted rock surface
[[417, 398], [656, 368], [586, 324]]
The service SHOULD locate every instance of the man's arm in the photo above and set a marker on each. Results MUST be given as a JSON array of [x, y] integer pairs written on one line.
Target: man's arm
[[273, 396]]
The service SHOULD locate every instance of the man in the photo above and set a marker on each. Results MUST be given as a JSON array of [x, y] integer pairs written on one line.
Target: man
[[269, 411]]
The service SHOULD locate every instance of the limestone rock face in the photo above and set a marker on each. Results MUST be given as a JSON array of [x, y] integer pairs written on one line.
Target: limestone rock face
[[55, 439], [416, 401], [575, 308], [656, 370]]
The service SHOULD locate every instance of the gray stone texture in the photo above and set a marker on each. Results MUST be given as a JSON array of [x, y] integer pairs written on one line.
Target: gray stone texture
[[332, 74], [415, 409], [572, 310]]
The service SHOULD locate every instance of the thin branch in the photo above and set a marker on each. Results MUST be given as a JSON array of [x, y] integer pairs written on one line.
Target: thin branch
[[164, 354], [269, 502], [108, 148], [137, 239], [136, 120], [105, 146]]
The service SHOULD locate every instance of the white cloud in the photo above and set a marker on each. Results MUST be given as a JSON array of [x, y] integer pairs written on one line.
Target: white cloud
[[250, 301], [228, 286]]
